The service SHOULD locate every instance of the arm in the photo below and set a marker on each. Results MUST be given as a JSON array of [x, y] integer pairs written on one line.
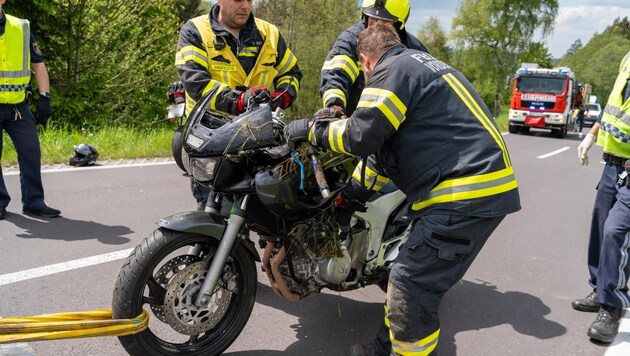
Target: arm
[[41, 76], [587, 143], [289, 75]]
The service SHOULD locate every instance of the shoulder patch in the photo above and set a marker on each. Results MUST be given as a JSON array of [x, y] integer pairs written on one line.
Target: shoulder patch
[[36, 49]]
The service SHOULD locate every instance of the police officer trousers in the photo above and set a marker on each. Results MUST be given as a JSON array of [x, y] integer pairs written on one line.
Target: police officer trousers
[[440, 249], [22, 130], [609, 242]]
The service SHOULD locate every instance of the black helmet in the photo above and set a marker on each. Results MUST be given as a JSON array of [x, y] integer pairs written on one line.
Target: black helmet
[[84, 155]]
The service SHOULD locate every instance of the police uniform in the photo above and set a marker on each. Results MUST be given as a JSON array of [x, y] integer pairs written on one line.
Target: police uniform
[[209, 58], [18, 49], [433, 136], [609, 242], [341, 76]]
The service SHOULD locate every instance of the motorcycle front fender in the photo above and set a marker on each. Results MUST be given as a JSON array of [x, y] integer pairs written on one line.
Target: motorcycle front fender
[[200, 222]]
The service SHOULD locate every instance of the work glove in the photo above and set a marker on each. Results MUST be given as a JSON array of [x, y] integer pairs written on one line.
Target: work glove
[[257, 93], [280, 99], [583, 148], [297, 131], [43, 113], [176, 93], [334, 112]]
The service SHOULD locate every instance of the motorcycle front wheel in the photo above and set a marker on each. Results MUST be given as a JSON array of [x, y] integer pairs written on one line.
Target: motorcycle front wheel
[[163, 275], [176, 147]]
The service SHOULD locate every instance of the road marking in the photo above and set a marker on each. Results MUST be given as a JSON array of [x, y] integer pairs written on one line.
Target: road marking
[[620, 346], [554, 152], [92, 168], [63, 267]]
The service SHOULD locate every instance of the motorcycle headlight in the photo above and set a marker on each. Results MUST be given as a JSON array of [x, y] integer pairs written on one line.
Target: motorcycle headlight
[[203, 168]]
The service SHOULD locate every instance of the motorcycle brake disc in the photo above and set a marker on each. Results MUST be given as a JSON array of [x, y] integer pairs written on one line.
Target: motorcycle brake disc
[[165, 276], [180, 311]]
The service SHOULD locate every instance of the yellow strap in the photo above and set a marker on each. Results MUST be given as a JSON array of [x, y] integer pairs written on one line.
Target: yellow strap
[[69, 325]]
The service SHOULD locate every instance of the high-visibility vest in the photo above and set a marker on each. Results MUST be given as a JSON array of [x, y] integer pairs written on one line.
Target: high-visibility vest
[[614, 133], [232, 74], [15, 60]]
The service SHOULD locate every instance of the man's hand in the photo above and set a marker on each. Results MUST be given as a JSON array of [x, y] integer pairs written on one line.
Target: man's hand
[[280, 99], [297, 131], [583, 148], [259, 91], [43, 113], [334, 112]]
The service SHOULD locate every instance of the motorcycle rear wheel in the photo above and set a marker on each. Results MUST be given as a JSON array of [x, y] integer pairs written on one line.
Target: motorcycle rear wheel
[[152, 271]]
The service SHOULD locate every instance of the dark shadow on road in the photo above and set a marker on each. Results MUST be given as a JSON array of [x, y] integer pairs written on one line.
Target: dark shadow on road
[[330, 324], [69, 230]]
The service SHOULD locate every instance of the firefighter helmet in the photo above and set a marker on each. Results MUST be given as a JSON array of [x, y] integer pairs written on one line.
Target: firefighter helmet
[[393, 10]]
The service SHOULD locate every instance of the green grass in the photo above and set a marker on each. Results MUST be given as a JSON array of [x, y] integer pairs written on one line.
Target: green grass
[[57, 143]]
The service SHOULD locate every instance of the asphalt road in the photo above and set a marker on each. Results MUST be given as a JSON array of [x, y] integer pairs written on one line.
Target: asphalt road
[[515, 299]]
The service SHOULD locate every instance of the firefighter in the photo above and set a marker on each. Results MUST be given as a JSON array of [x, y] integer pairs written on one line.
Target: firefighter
[[234, 55], [341, 78], [19, 53], [449, 160], [610, 225]]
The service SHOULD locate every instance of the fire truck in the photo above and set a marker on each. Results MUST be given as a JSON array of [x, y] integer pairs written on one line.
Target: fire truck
[[543, 98]]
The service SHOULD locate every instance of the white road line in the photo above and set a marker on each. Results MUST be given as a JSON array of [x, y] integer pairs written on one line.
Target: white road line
[[554, 152], [91, 168], [621, 345], [63, 267]]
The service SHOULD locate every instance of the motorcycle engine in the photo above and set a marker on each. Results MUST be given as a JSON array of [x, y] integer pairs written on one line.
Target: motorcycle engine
[[316, 256]]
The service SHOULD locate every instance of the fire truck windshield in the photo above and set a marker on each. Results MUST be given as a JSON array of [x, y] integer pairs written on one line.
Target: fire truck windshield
[[549, 85]]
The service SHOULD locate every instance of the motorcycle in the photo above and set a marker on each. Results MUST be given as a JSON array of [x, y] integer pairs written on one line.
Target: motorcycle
[[197, 271]]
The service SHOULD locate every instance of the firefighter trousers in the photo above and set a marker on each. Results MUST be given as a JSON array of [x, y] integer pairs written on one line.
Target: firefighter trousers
[[609, 242], [440, 249]]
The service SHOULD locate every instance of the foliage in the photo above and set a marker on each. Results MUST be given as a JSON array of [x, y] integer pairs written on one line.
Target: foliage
[[187, 9], [309, 39], [435, 39], [597, 63], [496, 34], [575, 47], [109, 60], [537, 53]]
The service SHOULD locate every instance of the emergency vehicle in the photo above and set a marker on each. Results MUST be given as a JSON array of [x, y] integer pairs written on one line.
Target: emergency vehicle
[[543, 98]]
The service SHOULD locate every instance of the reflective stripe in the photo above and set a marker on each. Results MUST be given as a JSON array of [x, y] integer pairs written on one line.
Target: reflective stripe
[[290, 80], [387, 102], [343, 62], [474, 107], [13, 88], [332, 94], [17, 73], [251, 51], [615, 132], [370, 177], [287, 63], [191, 53], [419, 348], [336, 129], [217, 87], [618, 113], [622, 281], [479, 186]]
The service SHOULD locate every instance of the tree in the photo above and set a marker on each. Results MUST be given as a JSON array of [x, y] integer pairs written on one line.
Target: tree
[[432, 35], [187, 9], [498, 33], [537, 53], [575, 47]]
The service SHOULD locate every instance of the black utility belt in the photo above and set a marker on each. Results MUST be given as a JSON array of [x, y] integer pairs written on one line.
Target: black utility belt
[[615, 160]]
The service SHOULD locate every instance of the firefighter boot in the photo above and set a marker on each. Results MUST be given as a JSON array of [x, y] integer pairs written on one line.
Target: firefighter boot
[[606, 325], [590, 303], [364, 350]]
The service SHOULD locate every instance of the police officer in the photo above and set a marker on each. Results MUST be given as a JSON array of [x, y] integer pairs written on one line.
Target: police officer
[[449, 160], [234, 55], [341, 78], [18, 54], [609, 241]]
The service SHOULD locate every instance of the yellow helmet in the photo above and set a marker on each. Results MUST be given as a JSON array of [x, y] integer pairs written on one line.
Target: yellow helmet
[[394, 10]]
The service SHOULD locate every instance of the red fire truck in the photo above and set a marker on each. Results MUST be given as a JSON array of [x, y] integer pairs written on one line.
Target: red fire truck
[[543, 98]]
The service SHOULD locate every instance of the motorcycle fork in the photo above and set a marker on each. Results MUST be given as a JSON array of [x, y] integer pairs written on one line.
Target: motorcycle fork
[[234, 224]]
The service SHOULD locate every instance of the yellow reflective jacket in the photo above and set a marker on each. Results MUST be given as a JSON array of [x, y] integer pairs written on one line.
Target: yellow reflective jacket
[[614, 133], [15, 60]]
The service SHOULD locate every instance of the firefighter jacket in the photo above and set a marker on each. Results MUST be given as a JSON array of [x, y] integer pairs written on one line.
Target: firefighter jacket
[[614, 132], [209, 58], [341, 75], [15, 60], [432, 135]]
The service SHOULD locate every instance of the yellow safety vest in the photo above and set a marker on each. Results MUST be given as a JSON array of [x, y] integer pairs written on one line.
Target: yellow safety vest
[[232, 74], [15, 60], [614, 133]]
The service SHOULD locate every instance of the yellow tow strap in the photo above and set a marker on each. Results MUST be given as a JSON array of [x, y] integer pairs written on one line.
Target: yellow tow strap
[[69, 326]]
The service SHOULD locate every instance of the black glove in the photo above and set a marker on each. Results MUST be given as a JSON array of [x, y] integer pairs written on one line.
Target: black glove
[[176, 93], [43, 112], [334, 112], [297, 131], [258, 92]]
